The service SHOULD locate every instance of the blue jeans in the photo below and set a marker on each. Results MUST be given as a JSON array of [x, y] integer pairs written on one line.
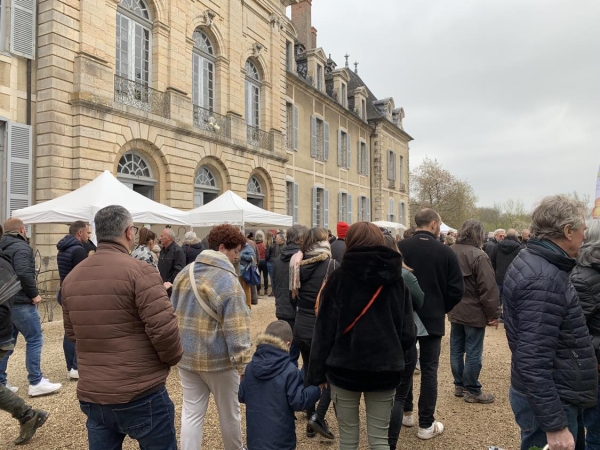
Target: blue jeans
[[270, 270], [68, 346], [466, 349], [149, 420], [531, 433], [26, 320], [591, 420]]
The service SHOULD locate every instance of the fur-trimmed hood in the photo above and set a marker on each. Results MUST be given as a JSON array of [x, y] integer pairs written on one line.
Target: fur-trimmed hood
[[314, 259], [271, 357]]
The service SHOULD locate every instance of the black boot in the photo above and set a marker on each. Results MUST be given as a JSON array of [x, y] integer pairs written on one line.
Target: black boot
[[310, 433], [320, 426], [29, 427]]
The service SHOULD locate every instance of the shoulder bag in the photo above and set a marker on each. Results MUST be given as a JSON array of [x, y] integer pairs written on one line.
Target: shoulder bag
[[201, 301], [365, 309]]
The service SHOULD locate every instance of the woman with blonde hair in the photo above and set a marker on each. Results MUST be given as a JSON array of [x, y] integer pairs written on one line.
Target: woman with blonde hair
[[364, 326]]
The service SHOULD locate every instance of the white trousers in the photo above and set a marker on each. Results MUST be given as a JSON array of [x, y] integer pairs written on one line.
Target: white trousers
[[196, 391]]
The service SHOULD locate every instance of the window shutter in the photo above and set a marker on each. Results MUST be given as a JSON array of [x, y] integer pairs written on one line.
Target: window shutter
[[313, 136], [340, 156], [340, 207], [368, 209], [314, 205], [22, 28], [325, 141], [367, 159], [349, 204], [394, 156], [295, 203], [248, 103], [359, 154], [295, 126], [18, 179], [326, 209], [391, 208], [348, 150]]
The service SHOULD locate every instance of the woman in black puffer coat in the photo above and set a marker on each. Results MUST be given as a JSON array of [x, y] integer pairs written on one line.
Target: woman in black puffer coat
[[308, 268], [586, 279]]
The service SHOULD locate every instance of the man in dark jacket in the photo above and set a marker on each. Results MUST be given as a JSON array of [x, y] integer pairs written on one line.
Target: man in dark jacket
[[285, 306], [436, 267], [338, 247], [71, 251], [272, 389], [554, 372], [29, 418], [503, 254], [489, 246], [171, 259], [25, 315]]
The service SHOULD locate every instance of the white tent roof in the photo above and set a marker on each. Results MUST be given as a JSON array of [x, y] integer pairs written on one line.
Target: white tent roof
[[232, 209], [386, 224], [104, 190], [445, 228]]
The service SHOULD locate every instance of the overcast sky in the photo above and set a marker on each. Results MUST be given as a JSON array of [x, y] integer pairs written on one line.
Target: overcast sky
[[504, 93]]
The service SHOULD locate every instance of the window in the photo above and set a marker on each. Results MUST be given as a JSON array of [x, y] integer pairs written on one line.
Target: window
[[289, 55], [291, 199], [363, 109], [291, 136], [133, 41], [391, 166], [254, 192], [22, 28], [343, 149], [363, 158], [364, 209], [344, 99], [252, 95], [401, 167], [320, 207], [391, 215], [319, 77], [203, 71], [206, 188], [344, 207], [17, 171], [319, 143], [403, 213], [135, 173]]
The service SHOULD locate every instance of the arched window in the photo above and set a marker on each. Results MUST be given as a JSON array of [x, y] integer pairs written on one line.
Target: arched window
[[134, 26], [203, 69], [252, 95], [206, 187], [135, 173], [255, 193]]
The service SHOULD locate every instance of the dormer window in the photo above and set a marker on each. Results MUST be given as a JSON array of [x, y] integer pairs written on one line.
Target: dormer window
[[344, 95], [319, 81], [363, 109]]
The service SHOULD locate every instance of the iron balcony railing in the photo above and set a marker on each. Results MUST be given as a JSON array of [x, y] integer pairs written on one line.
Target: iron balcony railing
[[208, 120], [258, 137], [140, 96]]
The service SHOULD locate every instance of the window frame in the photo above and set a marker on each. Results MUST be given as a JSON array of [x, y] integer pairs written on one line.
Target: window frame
[[205, 188], [146, 25], [204, 58], [253, 87]]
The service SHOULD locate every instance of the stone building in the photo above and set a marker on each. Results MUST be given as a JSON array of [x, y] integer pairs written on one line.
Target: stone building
[[182, 100]]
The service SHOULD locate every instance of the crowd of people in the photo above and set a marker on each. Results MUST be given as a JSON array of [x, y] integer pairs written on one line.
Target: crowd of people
[[362, 309]]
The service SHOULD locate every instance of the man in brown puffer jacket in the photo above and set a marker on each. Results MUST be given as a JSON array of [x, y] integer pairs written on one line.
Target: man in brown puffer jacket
[[117, 312]]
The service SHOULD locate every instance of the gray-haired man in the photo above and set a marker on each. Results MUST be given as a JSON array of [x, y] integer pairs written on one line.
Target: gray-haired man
[[171, 258]]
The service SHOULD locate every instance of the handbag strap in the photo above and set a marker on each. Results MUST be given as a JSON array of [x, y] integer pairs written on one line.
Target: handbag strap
[[365, 309], [205, 307]]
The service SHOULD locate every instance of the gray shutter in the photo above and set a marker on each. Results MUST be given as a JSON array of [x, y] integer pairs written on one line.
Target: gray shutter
[[326, 209], [349, 206], [313, 137], [359, 154], [295, 203], [390, 169], [368, 209], [295, 126], [340, 210], [22, 28], [340, 156], [325, 141], [18, 173], [314, 208], [367, 161], [348, 150]]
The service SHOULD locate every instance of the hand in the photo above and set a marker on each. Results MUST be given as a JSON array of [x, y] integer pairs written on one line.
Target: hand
[[167, 285], [560, 440], [323, 386], [493, 323], [36, 300]]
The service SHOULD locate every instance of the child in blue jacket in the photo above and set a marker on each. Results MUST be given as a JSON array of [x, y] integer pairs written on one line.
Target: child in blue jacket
[[272, 389]]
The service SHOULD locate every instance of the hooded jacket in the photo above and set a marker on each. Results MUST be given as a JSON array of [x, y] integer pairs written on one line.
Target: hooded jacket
[[272, 390], [285, 306], [192, 248], [23, 262], [502, 256], [70, 253], [369, 357], [480, 302], [553, 360], [338, 248]]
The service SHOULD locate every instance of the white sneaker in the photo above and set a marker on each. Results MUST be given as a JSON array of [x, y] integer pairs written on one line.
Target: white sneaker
[[44, 387], [418, 367], [408, 420], [434, 430], [12, 388], [73, 374]]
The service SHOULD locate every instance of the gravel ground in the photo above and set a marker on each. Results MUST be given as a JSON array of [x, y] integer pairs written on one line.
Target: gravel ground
[[467, 426]]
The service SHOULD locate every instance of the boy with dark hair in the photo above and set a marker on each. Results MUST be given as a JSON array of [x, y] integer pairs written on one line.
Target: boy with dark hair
[[273, 389]]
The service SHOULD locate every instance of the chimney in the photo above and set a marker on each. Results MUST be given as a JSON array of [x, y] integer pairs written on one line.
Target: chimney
[[313, 37], [302, 20]]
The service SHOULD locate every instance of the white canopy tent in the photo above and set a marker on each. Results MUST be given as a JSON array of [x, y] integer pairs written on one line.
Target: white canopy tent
[[446, 229], [394, 225], [104, 190], [232, 209]]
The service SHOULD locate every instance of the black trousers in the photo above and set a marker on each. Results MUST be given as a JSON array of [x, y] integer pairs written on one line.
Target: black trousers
[[402, 391], [325, 400], [262, 268], [429, 347]]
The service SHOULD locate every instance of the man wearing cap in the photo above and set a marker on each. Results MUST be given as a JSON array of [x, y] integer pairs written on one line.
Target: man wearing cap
[[338, 248]]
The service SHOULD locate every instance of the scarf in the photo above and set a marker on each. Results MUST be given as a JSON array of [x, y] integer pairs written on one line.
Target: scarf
[[321, 247]]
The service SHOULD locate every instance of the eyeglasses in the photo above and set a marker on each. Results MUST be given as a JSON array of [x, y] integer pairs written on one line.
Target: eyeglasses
[[135, 229]]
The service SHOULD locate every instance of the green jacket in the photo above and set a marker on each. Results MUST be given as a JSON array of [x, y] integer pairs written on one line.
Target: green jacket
[[417, 298]]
